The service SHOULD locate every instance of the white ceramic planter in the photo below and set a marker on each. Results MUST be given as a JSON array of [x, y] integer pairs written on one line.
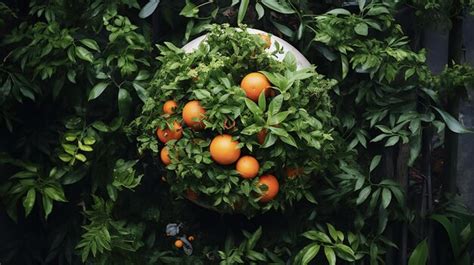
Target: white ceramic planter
[[302, 62]]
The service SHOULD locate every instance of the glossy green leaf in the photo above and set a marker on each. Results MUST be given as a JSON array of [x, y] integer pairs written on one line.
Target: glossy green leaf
[[29, 201], [97, 90], [279, 6], [244, 5], [452, 123], [419, 256]]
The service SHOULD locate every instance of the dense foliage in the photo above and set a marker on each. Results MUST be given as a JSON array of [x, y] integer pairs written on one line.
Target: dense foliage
[[79, 79]]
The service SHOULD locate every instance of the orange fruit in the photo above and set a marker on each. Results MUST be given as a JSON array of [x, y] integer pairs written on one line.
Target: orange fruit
[[224, 150], [248, 167], [193, 113], [164, 155], [272, 187], [254, 84], [178, 243], [261, 135], [191, 195], [292, 172], [167, 134], [170, 106], [267, 39], [191, 238]]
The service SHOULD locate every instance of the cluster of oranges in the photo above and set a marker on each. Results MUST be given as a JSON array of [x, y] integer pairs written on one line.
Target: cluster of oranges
[[224, 149]]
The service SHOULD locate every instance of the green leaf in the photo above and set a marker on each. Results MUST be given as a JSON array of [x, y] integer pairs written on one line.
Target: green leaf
[[244, 4], [47, 206], [344, 65], [278, 118], [97, 90], [27, 93], [361, 29], [361, 4], [339, 11], [148, 9], [386, 197], [392, 140], [260, 10], [92, 44], [252, 241], [332, 231], [124, 102], [419, 256], [452, 123], [55, 193], [310, 253], [252, 106], [330, 255], [283, 29], [262, 102], [375, 11], [84, 54], [363, 194], [141, 91], [275, 105], [375, 162], [29, 201], [279, 6], [451, 230], [190, 10], [81, 157], [317, 236]]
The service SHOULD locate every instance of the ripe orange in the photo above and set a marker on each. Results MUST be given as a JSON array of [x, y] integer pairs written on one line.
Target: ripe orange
[[254, 84], [224, 150], [267, 39], [178, 243], [272, 187], [193, 113], [167, 134], [170, 106], [248, 167], [292, 172], [164, 155], [261, 135]]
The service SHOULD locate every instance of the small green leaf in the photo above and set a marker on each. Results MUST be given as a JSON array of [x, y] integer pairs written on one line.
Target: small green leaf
[[47, 206], [244, 4], [29, 201], [124, 102], [339, 11], [81, 157], [452, 123], [279, 6], [361, 29], [84, 54], [97, 90], [260, 10], [141, 91], [275, 105], [363, 194], [92, 44], [252, 106], [392, 140], [310, 253], [386, 197], [190, 10], [375, 162], [419, 256], [330, 255], [55, 193]]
